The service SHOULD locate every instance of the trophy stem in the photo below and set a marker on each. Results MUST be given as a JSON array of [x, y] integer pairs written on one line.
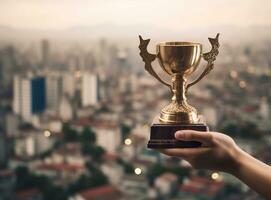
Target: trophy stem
[[179, 111], [178, 88]]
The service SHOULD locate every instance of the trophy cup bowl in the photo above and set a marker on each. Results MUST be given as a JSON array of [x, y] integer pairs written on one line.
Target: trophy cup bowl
[[179, 57], [179, 60]]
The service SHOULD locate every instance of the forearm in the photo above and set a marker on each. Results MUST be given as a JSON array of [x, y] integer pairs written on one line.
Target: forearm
[[256, 174]]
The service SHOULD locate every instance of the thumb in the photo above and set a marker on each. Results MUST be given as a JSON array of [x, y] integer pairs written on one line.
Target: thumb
[[191, 135]]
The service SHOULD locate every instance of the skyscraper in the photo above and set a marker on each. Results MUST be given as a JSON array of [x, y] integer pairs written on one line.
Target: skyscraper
[[29, 96], [65, 109], [90, 89], [8, 65], [69, 85], [54, 92]]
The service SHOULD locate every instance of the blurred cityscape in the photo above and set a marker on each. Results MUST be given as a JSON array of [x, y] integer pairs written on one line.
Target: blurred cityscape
[[75, 120]]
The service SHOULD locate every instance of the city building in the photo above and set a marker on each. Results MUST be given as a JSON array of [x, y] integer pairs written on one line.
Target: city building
[[107, 132], [62, 173], [134, 187], [29, 96], [99, 193], [31, 142], [12, 124], [69, 154], [65, 109], [89, 89], [112, 169], [166, 184], [201, 188], [69, 84], [8, 65], [54, 92]]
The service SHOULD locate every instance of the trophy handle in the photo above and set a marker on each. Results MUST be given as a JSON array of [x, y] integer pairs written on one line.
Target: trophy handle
[[148, 58], [210, 57]]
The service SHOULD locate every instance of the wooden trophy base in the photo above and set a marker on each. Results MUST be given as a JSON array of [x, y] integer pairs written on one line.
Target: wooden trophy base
[[163, 136]]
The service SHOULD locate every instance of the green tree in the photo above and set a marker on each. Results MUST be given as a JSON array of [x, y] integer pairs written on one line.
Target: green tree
[[249, 129], [181, 172], [46, 154], [70, 135], [54, 193], [82, 183], [95, 179], [88, 135], [86, 148], [128, 168], [95, 152], [24, 178], [98, 153], [125, 130], [230, 129], [98, 178]]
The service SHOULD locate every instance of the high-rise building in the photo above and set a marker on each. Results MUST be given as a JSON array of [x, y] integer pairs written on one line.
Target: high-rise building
[[8, 65], [17, 94], [65, 109], [69, 84], [54, 92], [45, 53], [90, 89], [29, 96]]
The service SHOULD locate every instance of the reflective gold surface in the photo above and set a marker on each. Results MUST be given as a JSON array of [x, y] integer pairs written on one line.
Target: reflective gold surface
[[179, 59]]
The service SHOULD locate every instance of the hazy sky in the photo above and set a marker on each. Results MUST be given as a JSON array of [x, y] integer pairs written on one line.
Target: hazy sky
[[173, 14]]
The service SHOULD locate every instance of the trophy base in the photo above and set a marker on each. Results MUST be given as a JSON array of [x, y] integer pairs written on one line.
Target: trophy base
[[163, 136]]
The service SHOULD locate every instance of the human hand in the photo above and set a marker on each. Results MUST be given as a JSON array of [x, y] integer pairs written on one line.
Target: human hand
[[218, 151]]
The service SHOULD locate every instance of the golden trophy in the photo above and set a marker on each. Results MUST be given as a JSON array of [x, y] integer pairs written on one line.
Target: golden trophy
[[179, 60]]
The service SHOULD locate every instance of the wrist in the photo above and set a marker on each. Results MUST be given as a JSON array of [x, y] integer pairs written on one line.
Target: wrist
[[239, 157]]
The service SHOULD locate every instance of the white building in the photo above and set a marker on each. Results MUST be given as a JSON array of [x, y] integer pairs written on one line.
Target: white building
[[28, 96], [108, 133], [17, 94], [109, 137], [32, 143], [113, 171], [89, 89], [134, 187], [65, 109], [166, 184], [69, 84], [22, 97]]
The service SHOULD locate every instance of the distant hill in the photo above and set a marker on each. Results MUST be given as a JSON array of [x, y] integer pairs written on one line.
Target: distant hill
[[116, 31]]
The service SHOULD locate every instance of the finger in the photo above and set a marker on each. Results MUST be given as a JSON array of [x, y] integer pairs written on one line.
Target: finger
[[191, 135], [184, 153]]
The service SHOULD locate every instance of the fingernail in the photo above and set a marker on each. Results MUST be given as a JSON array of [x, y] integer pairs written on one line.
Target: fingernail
[[179, 134]]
